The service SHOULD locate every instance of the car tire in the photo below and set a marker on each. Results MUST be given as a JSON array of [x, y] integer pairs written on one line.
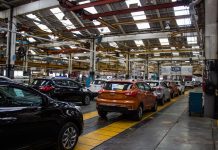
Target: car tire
[[102, 114], [86, 100], [154, 108], [138, 114], [68, 132]]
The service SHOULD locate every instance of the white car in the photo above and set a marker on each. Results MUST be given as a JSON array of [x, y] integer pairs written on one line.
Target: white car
[[181, 87], [161, 90], [96, 86], [189, 84]]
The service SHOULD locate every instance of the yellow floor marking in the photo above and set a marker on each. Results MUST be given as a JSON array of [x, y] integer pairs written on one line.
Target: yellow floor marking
[[90, 115], [97, 137]]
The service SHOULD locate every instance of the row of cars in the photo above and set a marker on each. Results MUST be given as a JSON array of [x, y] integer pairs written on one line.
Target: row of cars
[[134, 97]]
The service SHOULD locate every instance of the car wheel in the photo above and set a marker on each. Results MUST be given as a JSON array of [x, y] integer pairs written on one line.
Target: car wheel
[[102, 114], [138, 114], [154, 108], [68, 136], [86, 100]]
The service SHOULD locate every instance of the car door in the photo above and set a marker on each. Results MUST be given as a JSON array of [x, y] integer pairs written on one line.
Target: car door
[[62, 91], [22, 121], [142, 93], [149, 94], [76, 92], [166, 90]]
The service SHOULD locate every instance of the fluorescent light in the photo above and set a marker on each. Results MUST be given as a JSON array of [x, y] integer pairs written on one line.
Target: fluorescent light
[[84, 52], [58, 48], [60, 15], [113, 44], [156, 54], [76, 57], [32, 52], [181, 10], [172, 48], [96, 22], [139, 43], [73, 47], [187, 61], [76, 32], [195, 47], [175, 54], [155, 48], [192, 40], [143, 25], [31, 39], [164, 41], [183, 22], [195, 53], [53, 37], [41, 26]]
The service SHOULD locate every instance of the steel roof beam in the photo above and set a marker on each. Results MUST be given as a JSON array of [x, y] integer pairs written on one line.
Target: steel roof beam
[[91, 4], [129, 10], [136, 37], [30, 7]]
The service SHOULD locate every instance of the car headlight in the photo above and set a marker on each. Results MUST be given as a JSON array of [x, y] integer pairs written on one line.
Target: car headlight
[[78, 108]]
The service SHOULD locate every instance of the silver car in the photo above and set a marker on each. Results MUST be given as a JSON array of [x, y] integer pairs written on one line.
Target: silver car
[[161, 90], [181, 87]]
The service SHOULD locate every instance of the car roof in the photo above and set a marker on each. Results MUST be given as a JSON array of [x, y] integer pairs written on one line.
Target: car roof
[[125, 81]]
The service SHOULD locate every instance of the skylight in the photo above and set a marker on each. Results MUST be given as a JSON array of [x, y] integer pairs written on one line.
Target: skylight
[[164, 41], [192, 40], [76, 32], [96, 22], [91, 10], [181, 10], [61, 17], [183, 22], [143, 25], [172, 48], [138, 15], [175, 54], [104, 30], [130, 2], [113, 44], [139, 43], [76, 57], [195, 53], [41, 26], [31, 39]]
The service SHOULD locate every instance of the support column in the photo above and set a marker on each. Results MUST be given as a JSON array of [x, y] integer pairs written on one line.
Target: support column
[[211, 55], [11, 45], [70, 61], [92, 58], [127, 65]]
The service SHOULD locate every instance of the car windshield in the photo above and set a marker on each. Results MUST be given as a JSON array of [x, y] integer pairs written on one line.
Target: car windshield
[[98, 82], [153, 84], [118, 86], [40, 82]]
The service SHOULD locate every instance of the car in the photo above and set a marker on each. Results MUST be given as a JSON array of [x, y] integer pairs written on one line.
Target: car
[[96, 86], [127, 97], [174, 91], [181, 87], [63, 89], [3, 78], [30, 119], [161, 90], [189, 84]]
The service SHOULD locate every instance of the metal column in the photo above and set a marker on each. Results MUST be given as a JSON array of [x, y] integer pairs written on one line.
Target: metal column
[[11, 45], [70, 65], [211, 52], [92, 58]]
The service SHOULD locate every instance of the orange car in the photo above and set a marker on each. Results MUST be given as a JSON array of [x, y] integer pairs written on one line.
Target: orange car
[[126, 97], [174, 91]]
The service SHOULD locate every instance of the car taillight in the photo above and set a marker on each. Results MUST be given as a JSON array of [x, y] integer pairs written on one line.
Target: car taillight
[[100, 91], [46, 88], [131, 93]]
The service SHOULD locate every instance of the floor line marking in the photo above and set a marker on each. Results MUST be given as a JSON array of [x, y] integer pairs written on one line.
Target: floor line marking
[[90, 115], [97, 137]]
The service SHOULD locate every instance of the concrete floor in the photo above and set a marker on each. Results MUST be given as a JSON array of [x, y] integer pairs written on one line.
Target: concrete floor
[[169, 129]]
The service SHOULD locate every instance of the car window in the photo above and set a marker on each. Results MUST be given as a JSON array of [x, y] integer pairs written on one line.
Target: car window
[[61, 82], [73, 84], [153, 84], [163, 84], [147, 87], [2, 100], [20, 97], [41, 82], [117, 86], [140, 85], [98, 82]]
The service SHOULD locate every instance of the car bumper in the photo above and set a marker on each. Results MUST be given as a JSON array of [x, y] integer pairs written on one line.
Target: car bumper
[[115, 109]]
